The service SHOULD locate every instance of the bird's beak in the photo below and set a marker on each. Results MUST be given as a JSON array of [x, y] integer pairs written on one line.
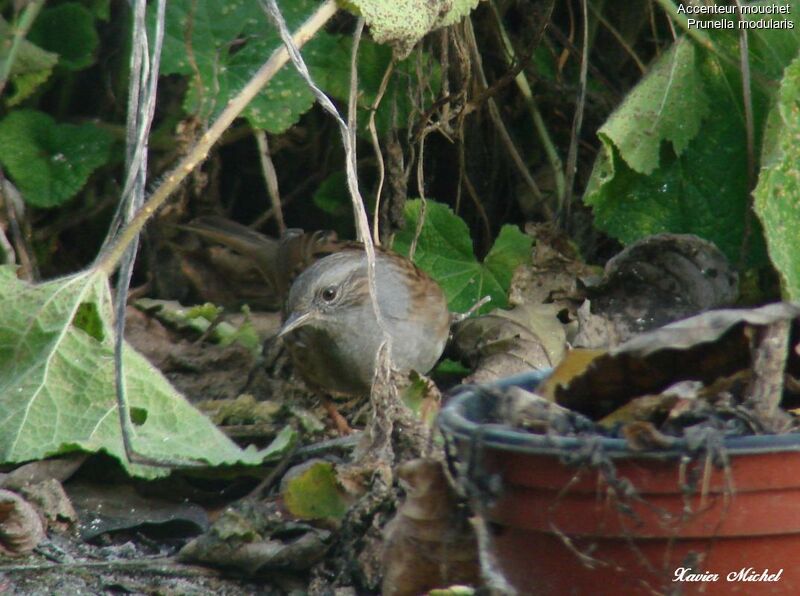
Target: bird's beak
[[295, 321]]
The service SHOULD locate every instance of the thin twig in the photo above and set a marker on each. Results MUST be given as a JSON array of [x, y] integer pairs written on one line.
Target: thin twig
[[423, 209], [141, 109], [494, 113], [747, 97], [577, 122], [620, 40], [271, 178], [159, 565], [527, 93], [275, 474], [376, 146]]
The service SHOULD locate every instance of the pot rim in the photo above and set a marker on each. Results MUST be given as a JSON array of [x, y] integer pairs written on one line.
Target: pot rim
[[455, 421]]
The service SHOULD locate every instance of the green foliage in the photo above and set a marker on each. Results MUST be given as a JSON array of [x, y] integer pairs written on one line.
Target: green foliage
[[674, 155], [668, 105], [57, 383], [220, 45], [314, 493], [50, 162], [67, 30], [444, 250], [32, 67], [777, 197], [228, 42]]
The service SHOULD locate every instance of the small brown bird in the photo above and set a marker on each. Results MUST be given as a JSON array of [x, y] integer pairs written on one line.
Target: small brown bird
[[330, 326]]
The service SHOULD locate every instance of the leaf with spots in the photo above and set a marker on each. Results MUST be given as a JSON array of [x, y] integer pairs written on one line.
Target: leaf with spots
[[50, 162], [57, 383], [667, 105], [444, 251], [402, 23]]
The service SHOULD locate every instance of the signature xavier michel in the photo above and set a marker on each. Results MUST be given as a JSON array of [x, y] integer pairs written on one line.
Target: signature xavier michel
[[745, 574]]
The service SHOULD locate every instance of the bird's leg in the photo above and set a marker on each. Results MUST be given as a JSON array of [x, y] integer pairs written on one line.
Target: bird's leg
[[339, 421]]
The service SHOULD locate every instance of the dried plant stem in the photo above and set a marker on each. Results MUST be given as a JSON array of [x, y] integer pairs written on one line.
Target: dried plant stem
[[769, 363], [109, 258], [747, 96], [538, 122], [373, 132], [270, 178], [572, 155], [620, 39], [494, 113]]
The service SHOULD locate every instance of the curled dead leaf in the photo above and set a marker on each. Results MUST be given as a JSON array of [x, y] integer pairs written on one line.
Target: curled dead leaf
[[506, 342], [21, 528]]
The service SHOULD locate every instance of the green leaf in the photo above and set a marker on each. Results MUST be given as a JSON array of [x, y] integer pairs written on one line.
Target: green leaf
[[777, 196], [57, 383], [31, 68], [227, 42], [699, 187], [668, 104], [402, 23], [444, 250], [313, 492], [68, 30], [50, 162]]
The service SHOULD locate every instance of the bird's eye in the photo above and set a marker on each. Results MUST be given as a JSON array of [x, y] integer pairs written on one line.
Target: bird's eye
[[329, 294]]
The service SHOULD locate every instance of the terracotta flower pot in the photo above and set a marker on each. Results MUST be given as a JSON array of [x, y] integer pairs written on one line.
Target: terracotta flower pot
[[561, 522]]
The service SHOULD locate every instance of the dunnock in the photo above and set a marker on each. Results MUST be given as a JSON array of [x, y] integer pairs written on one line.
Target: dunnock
[[330, 327]]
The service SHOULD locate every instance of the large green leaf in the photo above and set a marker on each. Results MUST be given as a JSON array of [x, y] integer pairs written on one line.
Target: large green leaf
[[50, 162], [444, 250], [668, 105], [777, 197], [695, 182], [57, 383]]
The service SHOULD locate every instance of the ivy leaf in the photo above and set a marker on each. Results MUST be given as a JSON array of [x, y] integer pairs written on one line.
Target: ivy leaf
[[67, 30], [444, 251], [57, 383], [777, 196], [50, 162]]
